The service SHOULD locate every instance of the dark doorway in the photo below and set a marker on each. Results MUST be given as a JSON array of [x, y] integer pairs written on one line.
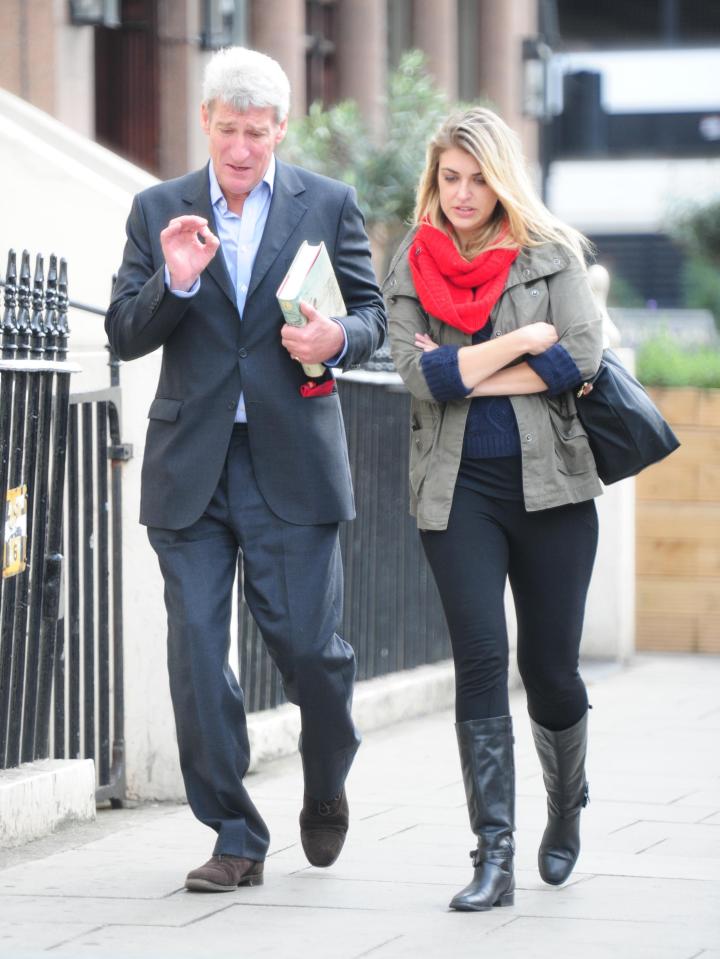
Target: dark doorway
[[126, 85]]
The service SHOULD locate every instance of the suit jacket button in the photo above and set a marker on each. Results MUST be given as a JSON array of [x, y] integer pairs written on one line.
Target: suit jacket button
[[242, 353], [231, 406]]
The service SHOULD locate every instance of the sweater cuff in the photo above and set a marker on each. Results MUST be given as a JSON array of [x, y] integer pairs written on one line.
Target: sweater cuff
[[440, 368], [557, 368]]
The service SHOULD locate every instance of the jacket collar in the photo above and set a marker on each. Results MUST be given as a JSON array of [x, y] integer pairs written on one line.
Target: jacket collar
[[287, 208], [536, 261]]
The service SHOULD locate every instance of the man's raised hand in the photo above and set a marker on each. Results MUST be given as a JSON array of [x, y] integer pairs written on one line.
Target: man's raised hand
[[188, 245]]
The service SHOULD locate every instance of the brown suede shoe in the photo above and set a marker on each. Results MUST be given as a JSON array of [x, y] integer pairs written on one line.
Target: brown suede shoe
[[323, 827], [225, 873]]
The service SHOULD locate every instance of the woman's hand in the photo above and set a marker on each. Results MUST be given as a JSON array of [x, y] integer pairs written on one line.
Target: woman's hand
[[536, 337], [425, 343]]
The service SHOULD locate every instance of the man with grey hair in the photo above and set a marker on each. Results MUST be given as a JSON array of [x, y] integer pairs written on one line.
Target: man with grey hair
[[244, 458]]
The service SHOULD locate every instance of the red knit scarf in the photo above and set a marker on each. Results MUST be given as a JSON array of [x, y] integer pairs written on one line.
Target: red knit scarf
[[452, 289]]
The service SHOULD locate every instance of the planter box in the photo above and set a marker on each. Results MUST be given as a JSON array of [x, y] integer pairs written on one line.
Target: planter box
[[678, 530]]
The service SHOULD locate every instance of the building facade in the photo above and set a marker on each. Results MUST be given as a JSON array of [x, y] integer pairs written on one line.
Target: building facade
[[127, 73], [633, 135], [617, 104]]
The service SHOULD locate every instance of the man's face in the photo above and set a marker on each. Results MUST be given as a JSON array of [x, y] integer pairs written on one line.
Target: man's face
[[240, 145]]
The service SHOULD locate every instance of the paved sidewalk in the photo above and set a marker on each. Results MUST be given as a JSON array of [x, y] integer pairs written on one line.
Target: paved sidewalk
[[647, 885]]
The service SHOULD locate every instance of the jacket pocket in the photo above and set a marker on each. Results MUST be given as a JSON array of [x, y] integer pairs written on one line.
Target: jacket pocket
[[164, 409], [421, 444], [572, 450]]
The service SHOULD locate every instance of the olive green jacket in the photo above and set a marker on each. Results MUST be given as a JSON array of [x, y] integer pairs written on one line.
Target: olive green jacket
[[544, 283]]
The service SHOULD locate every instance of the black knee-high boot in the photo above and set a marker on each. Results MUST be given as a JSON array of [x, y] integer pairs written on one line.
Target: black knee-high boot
[[486, 757], [562, 757]]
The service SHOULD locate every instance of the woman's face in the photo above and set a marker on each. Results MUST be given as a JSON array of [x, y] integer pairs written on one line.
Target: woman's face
[[465, 198]]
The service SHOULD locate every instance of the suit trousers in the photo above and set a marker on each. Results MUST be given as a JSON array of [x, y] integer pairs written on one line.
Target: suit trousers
[[292, 577]]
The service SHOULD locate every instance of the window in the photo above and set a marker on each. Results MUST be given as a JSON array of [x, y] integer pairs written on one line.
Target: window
[[468, 31], [320, 56], [98, 13], [629, 23], [399, 21], [224, 23]]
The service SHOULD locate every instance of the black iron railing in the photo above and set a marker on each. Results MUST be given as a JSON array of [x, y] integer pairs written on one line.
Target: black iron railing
[[393, 615], [34, 391], [89, 690], [61, 667], [392, 612], [61, 664]]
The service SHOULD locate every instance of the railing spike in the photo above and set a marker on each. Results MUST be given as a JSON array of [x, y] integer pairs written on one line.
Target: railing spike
[[11, 273], [9, 324], [63, 327], [37, 321], [24, 304], [51, 297]]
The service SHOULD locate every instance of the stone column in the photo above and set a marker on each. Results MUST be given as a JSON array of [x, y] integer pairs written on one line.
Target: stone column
[[277, 28], [74, 73], [435, 27], [27, 51], [179, 87], [362, 57], [502, 24]]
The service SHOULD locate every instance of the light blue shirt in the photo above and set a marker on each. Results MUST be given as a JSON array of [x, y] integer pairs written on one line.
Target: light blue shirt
[[240, 238]]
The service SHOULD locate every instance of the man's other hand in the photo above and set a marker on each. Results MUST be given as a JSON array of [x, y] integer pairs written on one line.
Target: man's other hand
[[320, 340], [188, 245]]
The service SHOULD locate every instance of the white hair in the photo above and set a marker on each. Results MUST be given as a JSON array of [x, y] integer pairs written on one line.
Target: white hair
[[246, 79]]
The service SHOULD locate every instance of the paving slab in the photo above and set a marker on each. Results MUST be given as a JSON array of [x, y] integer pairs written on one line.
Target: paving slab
[[647, 884]]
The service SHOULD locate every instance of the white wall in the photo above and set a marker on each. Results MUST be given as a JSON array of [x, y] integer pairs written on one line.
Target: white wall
[[609, 631]]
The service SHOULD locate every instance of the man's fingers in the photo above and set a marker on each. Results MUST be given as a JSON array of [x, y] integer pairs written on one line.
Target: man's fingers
[[208, 237], [189, 233], [188, 223], [309, 311], [187, 227]]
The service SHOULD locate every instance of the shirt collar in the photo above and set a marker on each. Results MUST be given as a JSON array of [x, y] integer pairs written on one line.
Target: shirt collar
[[217, 197]]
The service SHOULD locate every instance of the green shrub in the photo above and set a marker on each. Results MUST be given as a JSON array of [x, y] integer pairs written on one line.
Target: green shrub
[[661, 362], [696, 226], [701, 286], [385, 174]]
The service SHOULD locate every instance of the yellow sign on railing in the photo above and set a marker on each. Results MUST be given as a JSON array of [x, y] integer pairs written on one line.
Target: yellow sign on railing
[[15, 546]]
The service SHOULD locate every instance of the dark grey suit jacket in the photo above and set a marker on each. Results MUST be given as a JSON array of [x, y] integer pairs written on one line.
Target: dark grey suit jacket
[[298, 444]]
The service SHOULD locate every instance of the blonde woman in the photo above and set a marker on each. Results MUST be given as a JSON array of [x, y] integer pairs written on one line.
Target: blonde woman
[[493, 326]]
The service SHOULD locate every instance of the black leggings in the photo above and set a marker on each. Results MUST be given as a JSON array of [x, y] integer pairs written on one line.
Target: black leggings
[[548, 558]]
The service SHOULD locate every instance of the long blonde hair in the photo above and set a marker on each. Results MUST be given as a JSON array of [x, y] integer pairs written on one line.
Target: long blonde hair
[[496, 148]]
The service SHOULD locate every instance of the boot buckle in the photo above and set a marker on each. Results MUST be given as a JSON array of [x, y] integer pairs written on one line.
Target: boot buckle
[[478, 857]]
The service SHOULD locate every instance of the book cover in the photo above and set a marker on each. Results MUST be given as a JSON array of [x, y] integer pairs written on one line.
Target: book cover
[[310, 278]]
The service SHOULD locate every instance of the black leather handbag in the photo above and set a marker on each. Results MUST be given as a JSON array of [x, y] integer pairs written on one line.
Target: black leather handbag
[[626, 431]]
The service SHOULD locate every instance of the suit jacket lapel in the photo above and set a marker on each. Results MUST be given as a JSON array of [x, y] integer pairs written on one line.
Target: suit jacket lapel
[[286, 210], [197, 195]]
